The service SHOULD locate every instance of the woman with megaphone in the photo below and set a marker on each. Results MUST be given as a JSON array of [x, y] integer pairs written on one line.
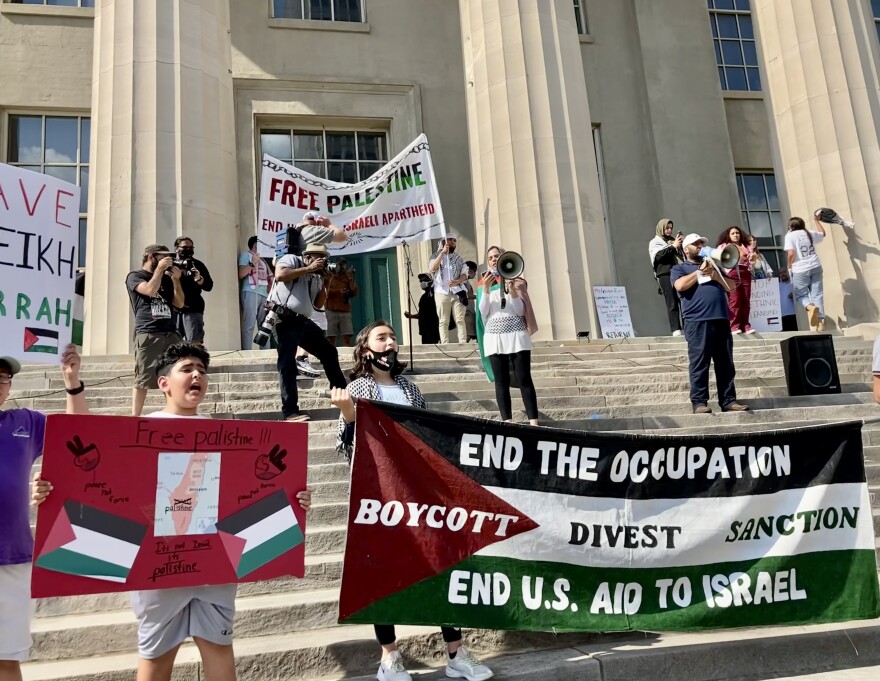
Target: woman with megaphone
[[505, 324], [739, 298]]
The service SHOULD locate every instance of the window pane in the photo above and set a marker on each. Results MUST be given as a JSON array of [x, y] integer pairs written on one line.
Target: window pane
[[348, 10], [750, 52], [776, 225], [713, 22], [732, 52], [287, 9], [717, 44], [82, 243], [87, 3], [745, 27], [727, 26], [318, 9], [276, 144], [759, 224], [745, 222], [754, 188], [84, 183], [736, 79], [66, 173], [340, 146], [875, 6], [62, 3], [754, 79], [367, 169], [772, 193], [25, 139], [743, 5], [308, 145], [739, 190], [724, 4], [371, 147], [61, 139], [85, 139], [721, 76], [342, 172], [313, 167]]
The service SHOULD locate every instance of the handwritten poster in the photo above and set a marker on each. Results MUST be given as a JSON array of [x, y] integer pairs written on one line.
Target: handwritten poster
[[766, 314], [147, 503], [39, 237], [613, 310]]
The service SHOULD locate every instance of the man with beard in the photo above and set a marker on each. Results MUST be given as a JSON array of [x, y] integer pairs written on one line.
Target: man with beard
[[704, 309], [450, 273]]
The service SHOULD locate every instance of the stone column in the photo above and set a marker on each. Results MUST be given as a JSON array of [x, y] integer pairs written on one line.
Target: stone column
[[821, 61], [536, 189], [163, 158]]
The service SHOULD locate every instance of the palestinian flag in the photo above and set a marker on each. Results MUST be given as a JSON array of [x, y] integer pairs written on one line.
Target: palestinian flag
[[91, 543], [260, 533], [503, 526], [40, 340]]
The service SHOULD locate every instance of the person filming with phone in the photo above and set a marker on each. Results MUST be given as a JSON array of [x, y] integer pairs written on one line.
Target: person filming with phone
[[450, 272]]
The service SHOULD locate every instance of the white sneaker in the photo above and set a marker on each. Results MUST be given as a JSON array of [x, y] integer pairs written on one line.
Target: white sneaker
[[676, 334], [304, 368], [392, 669], [466, 666], [737, 332]]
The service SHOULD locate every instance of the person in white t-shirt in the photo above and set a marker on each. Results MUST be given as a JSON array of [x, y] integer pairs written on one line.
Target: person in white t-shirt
[[167, 617], [806, 270]]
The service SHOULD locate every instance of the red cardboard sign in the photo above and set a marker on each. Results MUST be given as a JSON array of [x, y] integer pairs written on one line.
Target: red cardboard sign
[[160, 503]]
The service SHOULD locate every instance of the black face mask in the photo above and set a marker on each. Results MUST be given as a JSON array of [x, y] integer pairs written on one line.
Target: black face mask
[[383, 360], [186, 252]]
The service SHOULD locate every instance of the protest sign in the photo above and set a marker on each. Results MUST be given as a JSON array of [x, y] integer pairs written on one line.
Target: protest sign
[[398, 203], [150, 503], [766, 310], [613, 310], [39, 237], [511, 527]]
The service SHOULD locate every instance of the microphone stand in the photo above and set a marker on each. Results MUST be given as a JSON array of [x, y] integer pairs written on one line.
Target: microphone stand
[[409, 274]]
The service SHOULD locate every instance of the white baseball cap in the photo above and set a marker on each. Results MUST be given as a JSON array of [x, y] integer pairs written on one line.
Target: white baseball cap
[[693, 238]]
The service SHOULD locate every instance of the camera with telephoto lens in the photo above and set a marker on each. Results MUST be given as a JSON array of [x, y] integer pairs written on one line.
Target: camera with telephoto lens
[[274, 314]]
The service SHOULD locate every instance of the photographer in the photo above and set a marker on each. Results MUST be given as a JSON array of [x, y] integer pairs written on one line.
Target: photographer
[[450, 273], [341, 288], [153, 291], [194, 279], [299, 290]]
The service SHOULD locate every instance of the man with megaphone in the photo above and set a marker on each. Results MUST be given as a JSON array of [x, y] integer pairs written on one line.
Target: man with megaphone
[[703, 292]]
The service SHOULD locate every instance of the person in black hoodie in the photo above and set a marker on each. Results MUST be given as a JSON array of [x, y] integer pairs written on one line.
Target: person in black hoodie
[[665, 253], [195, 279], [429, 323]]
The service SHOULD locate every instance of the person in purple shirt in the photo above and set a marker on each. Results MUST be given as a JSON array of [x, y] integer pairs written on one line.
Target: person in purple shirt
[[21, 442]]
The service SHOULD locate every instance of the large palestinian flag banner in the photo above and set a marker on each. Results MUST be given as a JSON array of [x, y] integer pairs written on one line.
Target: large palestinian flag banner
[[475, 523]]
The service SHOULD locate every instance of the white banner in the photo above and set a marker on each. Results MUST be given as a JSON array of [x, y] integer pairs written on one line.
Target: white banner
[[766, 314], [39, 239], [613, 310], [397, 203]]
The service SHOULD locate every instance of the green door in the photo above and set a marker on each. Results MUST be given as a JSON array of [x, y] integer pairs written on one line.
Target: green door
[[378, 292]]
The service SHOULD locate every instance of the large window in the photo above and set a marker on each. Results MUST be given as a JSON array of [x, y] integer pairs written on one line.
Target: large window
[[734, 39], [580, 16], [57, 146], [55, 3], [341, 156], [320, 10], [761, 216]]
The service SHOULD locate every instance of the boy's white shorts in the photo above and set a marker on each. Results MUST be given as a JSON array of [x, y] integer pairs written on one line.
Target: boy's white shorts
[[15, 612]]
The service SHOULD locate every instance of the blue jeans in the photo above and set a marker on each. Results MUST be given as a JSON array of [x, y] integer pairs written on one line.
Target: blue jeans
[[710, 341], [809, 290]]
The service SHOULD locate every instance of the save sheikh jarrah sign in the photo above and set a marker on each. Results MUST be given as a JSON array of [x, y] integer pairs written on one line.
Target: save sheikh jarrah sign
[[513, 527]]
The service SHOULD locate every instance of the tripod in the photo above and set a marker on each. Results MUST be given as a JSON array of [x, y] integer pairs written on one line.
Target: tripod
[[409, 275]]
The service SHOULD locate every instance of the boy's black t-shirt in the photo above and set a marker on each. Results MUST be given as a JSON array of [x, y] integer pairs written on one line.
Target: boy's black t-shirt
[[151, 315]]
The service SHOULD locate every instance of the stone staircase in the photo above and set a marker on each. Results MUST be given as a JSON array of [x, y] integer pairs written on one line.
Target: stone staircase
[[286, 628]]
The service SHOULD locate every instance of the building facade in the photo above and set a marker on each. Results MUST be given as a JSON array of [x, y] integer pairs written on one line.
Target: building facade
[[562, 129]]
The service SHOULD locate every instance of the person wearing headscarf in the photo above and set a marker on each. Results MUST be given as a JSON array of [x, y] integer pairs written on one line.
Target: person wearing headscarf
[[429, 325], [505, 323], [665, 253]]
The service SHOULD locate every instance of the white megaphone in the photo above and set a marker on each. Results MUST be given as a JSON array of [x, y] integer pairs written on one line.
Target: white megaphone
[[726, 257], [510, 265]]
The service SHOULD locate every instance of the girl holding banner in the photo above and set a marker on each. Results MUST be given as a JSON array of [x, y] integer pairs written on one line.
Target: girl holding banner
[[376, 376]]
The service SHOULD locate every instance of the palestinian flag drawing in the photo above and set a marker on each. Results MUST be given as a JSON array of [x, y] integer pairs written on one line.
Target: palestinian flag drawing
[[91, 543], [503, 526], [260, 533], [40, 340]]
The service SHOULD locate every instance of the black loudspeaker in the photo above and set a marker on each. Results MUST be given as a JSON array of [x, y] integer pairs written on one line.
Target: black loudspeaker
[[810, 365]]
